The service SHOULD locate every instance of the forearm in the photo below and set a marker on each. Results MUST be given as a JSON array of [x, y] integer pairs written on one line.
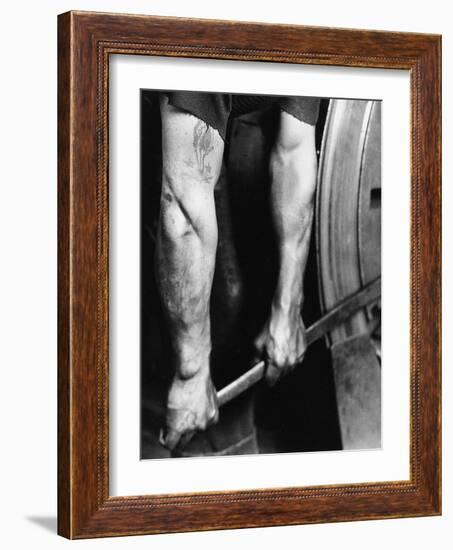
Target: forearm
[[293, 181], [293, 252], [185, 265], [192, 155]]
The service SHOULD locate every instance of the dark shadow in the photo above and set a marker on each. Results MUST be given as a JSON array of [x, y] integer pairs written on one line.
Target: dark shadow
[[49, 523]]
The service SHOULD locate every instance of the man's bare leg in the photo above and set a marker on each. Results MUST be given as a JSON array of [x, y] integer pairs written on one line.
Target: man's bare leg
[[185, 258], [293, 182]]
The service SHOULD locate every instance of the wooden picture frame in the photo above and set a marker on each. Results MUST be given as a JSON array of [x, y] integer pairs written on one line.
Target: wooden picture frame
[[85, 41]]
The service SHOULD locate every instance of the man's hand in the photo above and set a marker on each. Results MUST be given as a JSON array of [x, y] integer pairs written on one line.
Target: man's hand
[[191, 407], [293, 167], [282, 343]]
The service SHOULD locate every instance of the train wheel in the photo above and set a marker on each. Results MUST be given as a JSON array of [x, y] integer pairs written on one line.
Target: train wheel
[[348, 232]]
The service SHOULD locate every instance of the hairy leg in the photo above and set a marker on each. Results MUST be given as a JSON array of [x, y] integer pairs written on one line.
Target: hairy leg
[[185, 257], [293, 183]]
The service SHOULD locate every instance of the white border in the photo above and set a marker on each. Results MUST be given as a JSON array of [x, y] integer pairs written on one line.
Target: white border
[[128, 474]]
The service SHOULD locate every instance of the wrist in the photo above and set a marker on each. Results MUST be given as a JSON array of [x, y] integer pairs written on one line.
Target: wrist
[[286, 307], [192, 362]]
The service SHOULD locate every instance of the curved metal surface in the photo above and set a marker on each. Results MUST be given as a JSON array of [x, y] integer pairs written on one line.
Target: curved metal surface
[[348, 207], [369, 203], [348, 234]]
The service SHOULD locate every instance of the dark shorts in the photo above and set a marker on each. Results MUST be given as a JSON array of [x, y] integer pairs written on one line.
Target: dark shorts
[[216, 109]]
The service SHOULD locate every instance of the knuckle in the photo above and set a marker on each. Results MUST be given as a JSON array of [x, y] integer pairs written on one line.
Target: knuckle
[[280, 360], [214, 417]]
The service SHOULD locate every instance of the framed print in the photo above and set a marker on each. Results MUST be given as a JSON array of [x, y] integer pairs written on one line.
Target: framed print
[[249, 275]]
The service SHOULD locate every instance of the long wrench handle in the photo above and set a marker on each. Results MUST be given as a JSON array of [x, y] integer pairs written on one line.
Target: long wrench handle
[[367, 295]]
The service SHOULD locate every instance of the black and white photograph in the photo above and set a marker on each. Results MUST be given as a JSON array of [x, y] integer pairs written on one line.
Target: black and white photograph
[[226, 275], [260, 268]]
